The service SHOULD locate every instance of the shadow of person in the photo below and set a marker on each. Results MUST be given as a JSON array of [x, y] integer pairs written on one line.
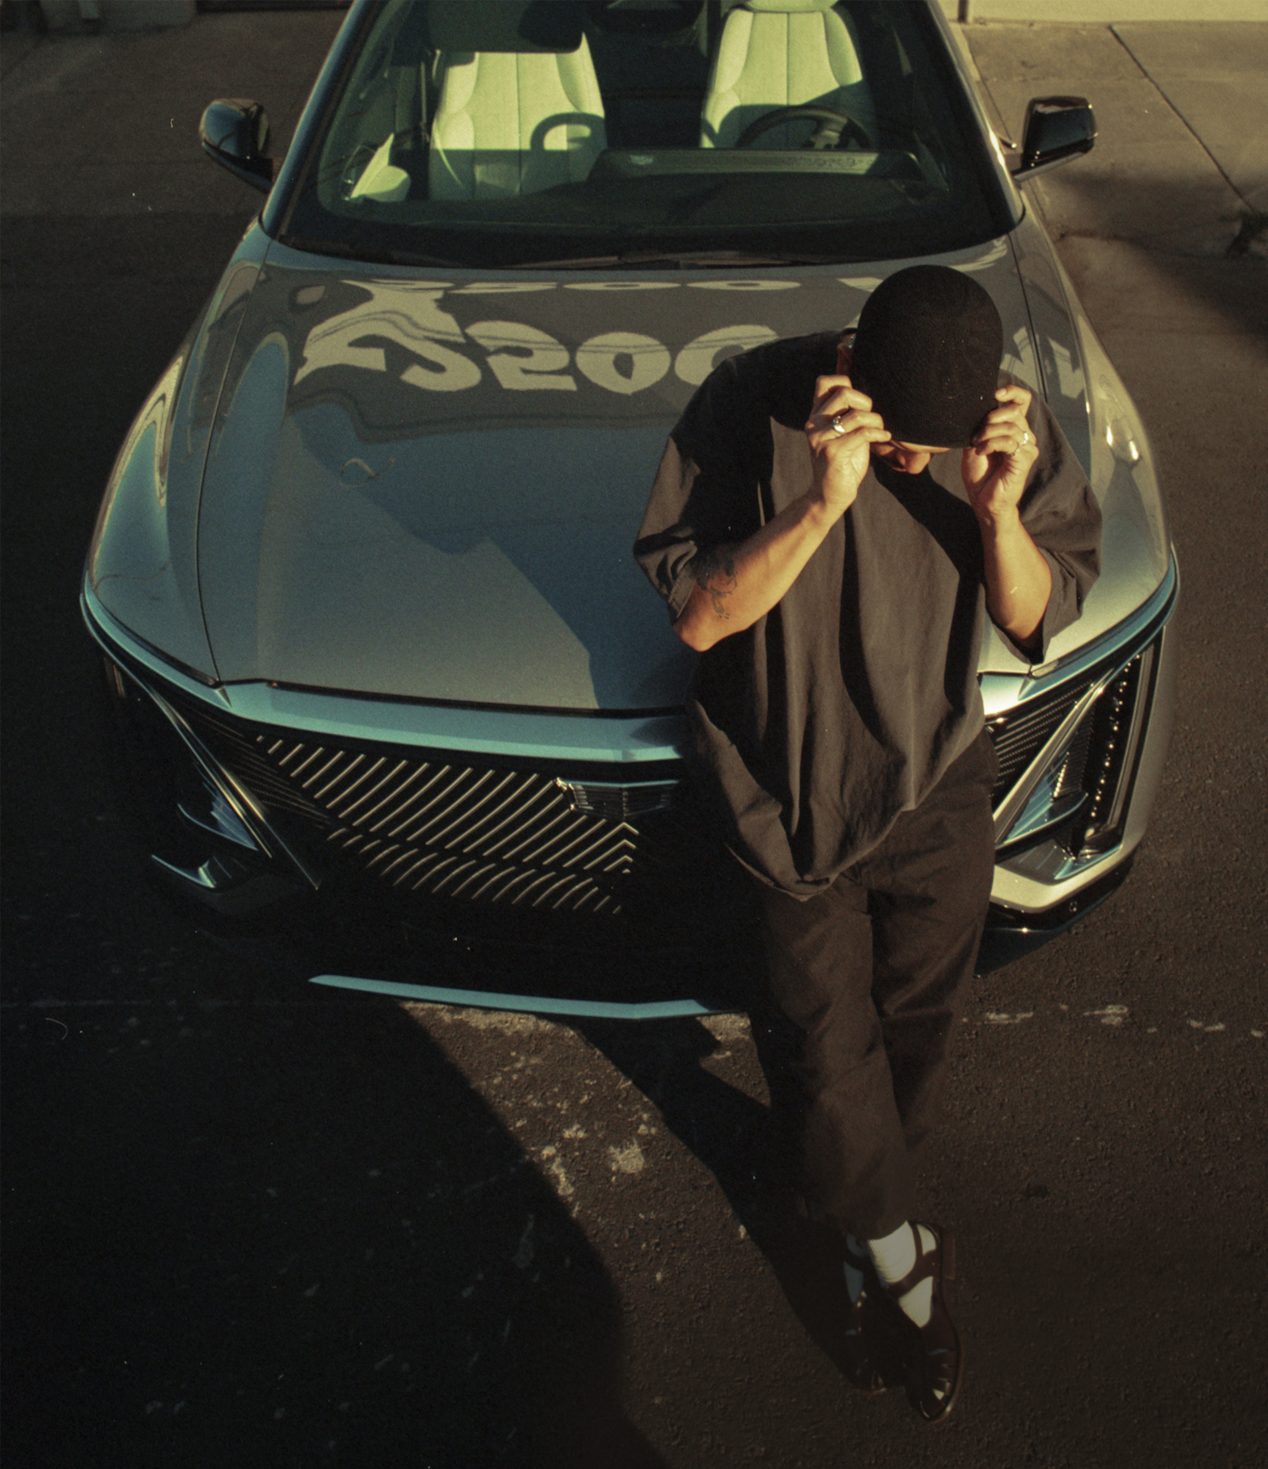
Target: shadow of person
[[736, 1137]]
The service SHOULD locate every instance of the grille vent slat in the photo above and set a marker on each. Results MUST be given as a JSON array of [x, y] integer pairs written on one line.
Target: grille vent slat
[[376, 781], [495, 810], [386, 797], [539, 822], [401, 819], [461, 814]]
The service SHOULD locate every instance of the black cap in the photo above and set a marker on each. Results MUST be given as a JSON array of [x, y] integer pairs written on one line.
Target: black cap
[[927, 353]]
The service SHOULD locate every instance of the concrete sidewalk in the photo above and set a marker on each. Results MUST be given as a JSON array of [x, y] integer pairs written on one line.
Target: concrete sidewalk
[[1180, 163], [1181, 159]]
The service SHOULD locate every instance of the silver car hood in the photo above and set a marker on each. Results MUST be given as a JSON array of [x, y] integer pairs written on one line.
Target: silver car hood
[[430, 489]]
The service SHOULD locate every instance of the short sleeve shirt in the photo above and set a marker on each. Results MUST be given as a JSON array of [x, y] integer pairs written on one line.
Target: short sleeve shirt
[[841, 708]]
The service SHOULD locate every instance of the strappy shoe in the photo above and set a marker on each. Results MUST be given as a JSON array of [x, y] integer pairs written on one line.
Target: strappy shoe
[[933, 1353], [862, 1286]]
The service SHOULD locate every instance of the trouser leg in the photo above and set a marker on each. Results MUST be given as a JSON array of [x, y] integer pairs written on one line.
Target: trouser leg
[[866, 981], [831, 1077], [930, 885]]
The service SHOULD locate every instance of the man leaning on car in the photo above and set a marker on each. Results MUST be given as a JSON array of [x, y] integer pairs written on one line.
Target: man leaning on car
[[833, 561]]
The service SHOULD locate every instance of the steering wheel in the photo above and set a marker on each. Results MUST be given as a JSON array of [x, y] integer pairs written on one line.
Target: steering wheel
[[827, 135]]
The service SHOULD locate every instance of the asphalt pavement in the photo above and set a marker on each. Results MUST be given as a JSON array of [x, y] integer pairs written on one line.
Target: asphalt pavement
[[244, 1223]]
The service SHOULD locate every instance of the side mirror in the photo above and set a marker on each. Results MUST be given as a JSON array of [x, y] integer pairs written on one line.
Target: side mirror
[[1057, 129], [235, 133]]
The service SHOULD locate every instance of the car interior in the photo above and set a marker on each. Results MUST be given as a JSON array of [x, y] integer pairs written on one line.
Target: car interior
[[470, 102]]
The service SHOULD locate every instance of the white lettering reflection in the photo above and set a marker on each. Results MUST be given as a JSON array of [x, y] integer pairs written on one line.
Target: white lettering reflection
[[623, 362], [521, 358]]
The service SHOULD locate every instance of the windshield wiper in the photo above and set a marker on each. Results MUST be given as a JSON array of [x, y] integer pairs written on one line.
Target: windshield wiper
[[685, 259], [317, 246]]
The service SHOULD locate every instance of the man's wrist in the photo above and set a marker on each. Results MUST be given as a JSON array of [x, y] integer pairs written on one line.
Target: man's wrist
[[998, 521], [822, 511]]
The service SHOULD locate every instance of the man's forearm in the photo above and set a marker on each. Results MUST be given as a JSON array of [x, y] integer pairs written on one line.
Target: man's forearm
[[738, 583], [1018, 580]]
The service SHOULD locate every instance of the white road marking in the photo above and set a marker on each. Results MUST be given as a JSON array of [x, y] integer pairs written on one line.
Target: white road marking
[[1110, 1015], [728, 1027], [628, 1159]]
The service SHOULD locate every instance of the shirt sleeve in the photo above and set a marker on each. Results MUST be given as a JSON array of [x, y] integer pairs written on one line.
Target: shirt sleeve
[[1063, 518], [697, 499]]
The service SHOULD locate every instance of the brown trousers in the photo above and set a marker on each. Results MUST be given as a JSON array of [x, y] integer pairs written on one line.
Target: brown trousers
[[866, 987]]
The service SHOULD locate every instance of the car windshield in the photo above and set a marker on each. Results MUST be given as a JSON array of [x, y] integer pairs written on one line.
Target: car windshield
[[504, 133]]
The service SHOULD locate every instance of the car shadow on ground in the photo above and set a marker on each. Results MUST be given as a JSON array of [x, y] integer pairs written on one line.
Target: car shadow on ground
[[240, 1230]]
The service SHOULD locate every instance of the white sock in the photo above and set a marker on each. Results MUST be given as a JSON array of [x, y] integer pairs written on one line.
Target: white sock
[[894, 1256]]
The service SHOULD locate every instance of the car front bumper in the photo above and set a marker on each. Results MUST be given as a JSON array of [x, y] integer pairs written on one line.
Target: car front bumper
[[531, 831]]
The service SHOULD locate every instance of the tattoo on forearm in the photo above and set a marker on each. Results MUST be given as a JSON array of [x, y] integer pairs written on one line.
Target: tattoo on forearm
[[715, 574]]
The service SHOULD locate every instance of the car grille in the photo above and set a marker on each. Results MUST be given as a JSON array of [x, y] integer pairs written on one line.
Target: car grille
[[427, 822], [435, 823]]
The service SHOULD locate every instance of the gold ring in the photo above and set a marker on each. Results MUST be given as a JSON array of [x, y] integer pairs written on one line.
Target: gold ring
[[836, 423]]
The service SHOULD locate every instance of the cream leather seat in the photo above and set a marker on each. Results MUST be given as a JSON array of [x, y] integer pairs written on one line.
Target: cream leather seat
[[513, 116], [783, 53]]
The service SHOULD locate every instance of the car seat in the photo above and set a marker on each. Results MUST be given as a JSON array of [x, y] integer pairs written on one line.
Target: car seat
[[518, 107], [784, 53]]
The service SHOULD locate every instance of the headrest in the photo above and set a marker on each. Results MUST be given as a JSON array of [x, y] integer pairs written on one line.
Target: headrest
[[789, 7], [644, 17], [503, 25]]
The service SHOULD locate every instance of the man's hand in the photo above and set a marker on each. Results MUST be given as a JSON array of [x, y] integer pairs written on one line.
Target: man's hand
[[994, 469], [995, 465], [841, 432], [738, 583]]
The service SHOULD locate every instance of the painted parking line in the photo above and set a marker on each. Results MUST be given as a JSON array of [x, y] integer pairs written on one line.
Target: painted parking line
[[1112, 1015], [724, 1027]]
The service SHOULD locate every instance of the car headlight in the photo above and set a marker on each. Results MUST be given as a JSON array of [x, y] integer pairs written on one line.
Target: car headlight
[[1079, 796]]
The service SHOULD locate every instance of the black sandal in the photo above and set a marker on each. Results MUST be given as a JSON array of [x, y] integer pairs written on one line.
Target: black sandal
[[934, 1354], [860, 1326]]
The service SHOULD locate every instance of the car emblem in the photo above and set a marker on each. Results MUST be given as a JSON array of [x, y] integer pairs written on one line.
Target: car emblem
[[616, 802]]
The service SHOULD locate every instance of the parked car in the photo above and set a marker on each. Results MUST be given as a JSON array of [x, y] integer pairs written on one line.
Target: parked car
[[378, 651]]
